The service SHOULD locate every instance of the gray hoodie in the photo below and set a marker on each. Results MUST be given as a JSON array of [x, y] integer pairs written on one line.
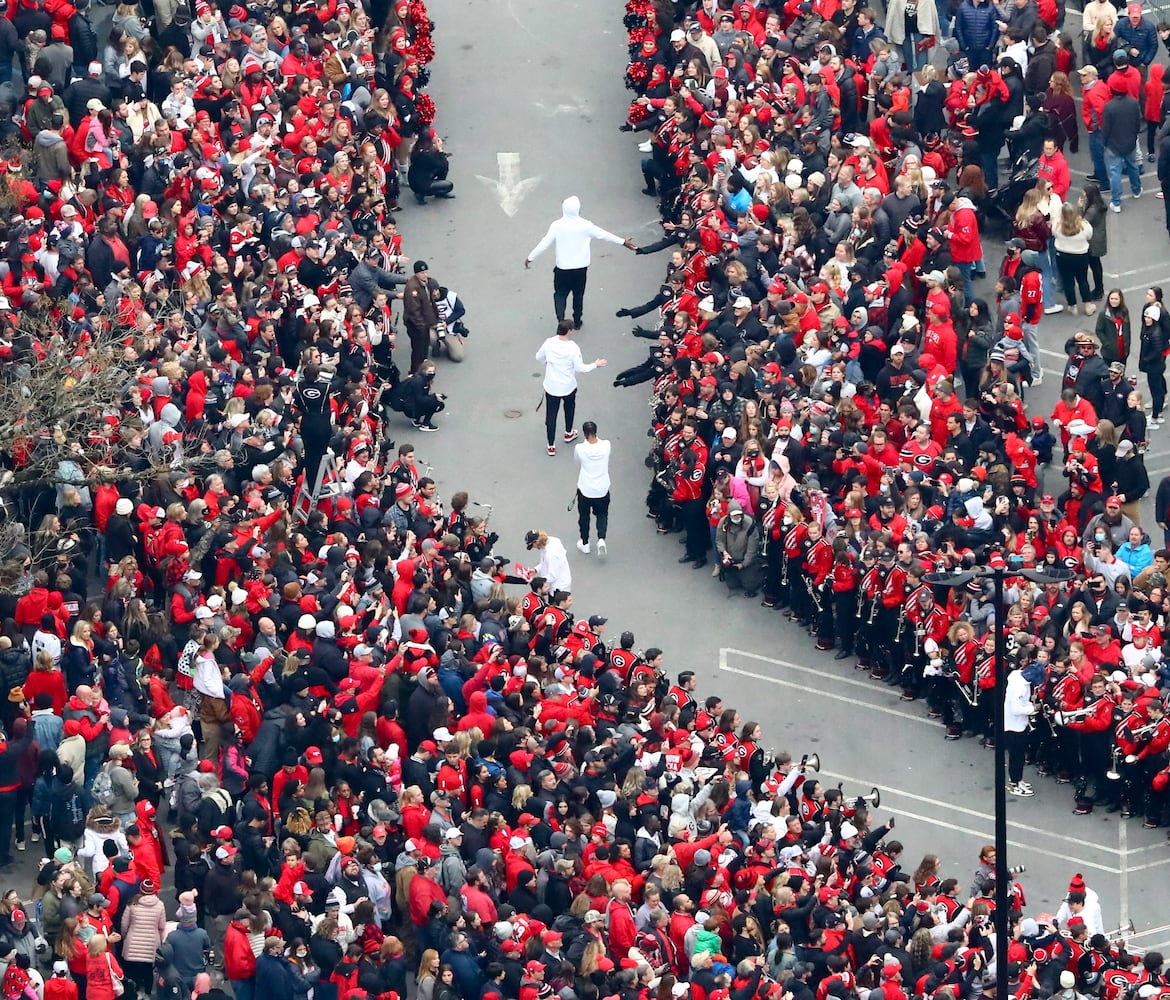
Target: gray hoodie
[[51, 157]]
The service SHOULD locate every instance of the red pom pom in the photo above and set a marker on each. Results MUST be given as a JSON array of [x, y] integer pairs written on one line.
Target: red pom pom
[[425, 108]]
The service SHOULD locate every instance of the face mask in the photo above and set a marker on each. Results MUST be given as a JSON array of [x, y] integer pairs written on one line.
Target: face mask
[[736, 518], [1099, 536], [337, 737]]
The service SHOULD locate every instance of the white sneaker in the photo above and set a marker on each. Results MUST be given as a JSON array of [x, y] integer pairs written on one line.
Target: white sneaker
[[1019, 790], [1038, 378], [1025, 784], [582, 546], [1136, 195], [36, 837], [1053, 309], [644, 147], [601, 547], [1114, 208], [20, 845]]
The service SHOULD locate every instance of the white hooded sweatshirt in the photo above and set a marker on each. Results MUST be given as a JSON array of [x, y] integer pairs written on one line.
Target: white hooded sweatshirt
[[572, 236]]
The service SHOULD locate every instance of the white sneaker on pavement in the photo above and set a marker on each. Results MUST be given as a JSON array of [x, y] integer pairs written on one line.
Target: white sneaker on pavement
[[582, 546], [644, 147], [601, 550], [1053, 309]]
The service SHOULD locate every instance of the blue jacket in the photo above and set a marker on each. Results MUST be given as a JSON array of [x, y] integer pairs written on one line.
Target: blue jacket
[[1144, 38], [975, 26], [861, 39]]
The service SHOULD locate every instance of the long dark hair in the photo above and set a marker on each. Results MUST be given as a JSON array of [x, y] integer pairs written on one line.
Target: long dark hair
[[1093, 197]]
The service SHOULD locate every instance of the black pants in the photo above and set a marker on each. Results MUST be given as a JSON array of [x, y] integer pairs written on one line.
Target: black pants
[[694, 519], [1074, 273], [1015, 744], [599, 508], [1157, 381], [552, 405], [566, 280], [1166, 203], [1098, 274], [7, 818], [420, 346]]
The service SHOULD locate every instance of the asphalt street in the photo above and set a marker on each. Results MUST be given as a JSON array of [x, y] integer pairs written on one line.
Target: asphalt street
[[544, 81]]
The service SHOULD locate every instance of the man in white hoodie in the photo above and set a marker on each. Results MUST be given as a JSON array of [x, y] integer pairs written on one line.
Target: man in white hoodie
[[572, 236]]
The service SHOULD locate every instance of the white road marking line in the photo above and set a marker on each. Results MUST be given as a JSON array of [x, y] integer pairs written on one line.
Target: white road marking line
[[869, 706], [1018, 845], [948, 806]]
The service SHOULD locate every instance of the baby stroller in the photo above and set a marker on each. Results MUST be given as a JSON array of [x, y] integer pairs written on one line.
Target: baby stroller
[[1003, 201]]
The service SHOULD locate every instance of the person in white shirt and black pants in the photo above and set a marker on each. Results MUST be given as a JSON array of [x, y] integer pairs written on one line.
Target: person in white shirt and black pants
[[592, 456], [572, 236], [562, 363]]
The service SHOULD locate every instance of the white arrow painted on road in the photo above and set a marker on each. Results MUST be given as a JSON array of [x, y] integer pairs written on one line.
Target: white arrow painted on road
[[552, 110], [510, 189]]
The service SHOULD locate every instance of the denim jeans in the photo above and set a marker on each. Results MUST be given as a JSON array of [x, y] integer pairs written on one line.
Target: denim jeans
[[1130, 165], [966, 269], [1097, 154], [989, 161], [911, 55]]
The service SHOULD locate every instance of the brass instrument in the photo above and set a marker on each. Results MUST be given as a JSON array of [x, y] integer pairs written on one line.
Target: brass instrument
[[1064, 718], [1145, 732], [919, 635], [901, 625], [1114, 772], [873, 609], [815, 593], [873, 799]]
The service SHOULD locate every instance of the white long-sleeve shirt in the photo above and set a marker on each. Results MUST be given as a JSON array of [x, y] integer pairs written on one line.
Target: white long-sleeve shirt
[[562, 361], [593, 458], [1017, 703], [554, 565], [572, 236]]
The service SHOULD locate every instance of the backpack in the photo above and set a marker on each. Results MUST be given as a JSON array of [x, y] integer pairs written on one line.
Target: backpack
[[67, 815], [103, 787]]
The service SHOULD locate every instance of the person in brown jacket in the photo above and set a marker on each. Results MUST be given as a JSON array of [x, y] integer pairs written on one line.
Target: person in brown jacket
[[418, 310]]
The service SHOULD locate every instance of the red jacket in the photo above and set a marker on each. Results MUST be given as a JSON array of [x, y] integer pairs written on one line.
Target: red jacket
[[622, 930], [965, 245], [424, 891], [238, 960]]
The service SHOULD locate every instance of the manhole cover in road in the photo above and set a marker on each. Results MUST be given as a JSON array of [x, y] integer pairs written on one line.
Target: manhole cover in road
[[512, 414]]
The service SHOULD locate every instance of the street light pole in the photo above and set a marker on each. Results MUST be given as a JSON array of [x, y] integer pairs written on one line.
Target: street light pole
[[997, 571], [1002, 874]]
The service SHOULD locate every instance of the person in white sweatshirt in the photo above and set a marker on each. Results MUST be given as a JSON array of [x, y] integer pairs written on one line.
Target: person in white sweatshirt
[[572, 236], [592, 456], [562, 363], [1017, 709]]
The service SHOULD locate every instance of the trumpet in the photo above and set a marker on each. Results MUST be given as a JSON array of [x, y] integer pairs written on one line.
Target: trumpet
[[873, 609], [815, 593], [811, 762], [1065, 718], [873, 799], [1122, 933]]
